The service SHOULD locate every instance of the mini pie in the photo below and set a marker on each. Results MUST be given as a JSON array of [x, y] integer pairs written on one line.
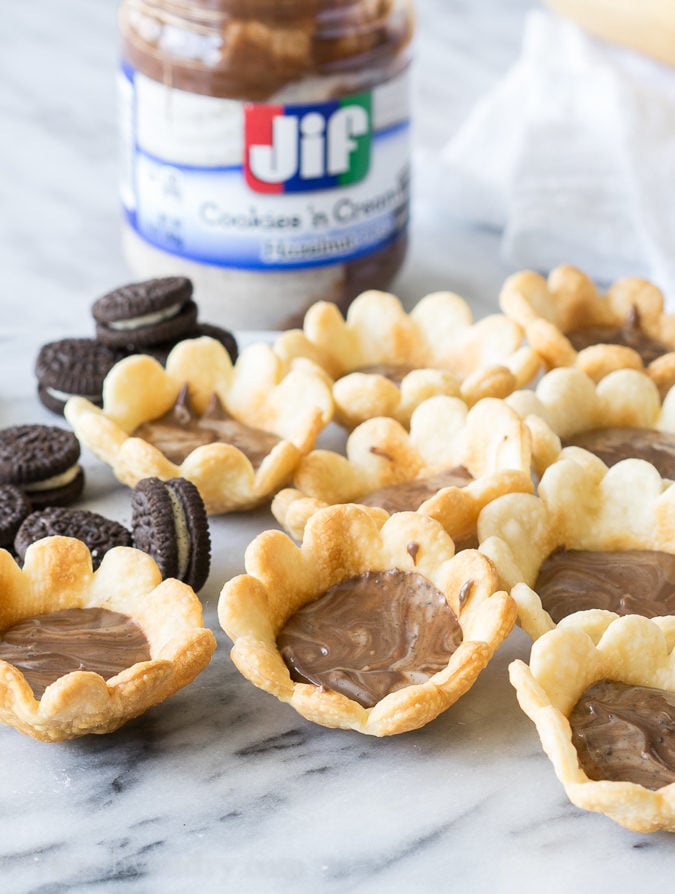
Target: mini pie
[[567, 405], [385, 362], [629, 652], [290, 405], [584, 506], [344, 543], [57, 576], [569, 323], [487, 444]]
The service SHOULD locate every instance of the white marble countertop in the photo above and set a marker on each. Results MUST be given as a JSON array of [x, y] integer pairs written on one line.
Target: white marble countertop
[[222, 787]]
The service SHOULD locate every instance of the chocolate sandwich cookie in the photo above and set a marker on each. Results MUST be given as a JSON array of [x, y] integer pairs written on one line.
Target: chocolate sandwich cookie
[[169, 522], [224, 336], [42, 461], [145, 313], [99, 533], [14, 507], [73, 366]]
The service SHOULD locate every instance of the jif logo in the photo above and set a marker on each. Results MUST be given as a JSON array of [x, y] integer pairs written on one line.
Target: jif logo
[[296, 148]]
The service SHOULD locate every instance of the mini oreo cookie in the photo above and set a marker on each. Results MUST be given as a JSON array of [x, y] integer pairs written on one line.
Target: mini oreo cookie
[[145, 313], [42, 461], [73, 366], [169, 522], [14, 507], [99, 533]]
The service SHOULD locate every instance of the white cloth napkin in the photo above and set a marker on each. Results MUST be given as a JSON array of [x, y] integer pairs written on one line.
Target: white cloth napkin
[[573, 155]]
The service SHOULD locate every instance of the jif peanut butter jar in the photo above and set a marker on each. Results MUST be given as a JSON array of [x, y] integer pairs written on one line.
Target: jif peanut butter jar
[[265, 150]]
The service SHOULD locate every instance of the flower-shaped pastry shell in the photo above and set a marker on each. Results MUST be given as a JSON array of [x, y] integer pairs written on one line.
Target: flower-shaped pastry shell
[[341, 542], [587, 647], [488, 440], [581, 505], [447, 352], [567, 402], [295, 405], [568, 300], [57, 574]]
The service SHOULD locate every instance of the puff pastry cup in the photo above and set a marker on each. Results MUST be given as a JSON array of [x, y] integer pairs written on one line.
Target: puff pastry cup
[[340, 542], [567, 402], [568, 300], [57, 574], [259, 390], [488, 440], [438, 341], [581, 504], [587, 647]]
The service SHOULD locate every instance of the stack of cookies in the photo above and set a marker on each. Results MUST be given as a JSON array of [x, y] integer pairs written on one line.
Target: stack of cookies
[[40, 477], [149, 317]]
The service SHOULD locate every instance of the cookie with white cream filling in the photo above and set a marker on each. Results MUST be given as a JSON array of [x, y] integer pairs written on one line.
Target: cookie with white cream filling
[[145, 313], [169, 522], [43, 461]]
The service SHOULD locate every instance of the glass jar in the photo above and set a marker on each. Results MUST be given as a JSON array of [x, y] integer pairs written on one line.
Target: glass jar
[[266, 150]]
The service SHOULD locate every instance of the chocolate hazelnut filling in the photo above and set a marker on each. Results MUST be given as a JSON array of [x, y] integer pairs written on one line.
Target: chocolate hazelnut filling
[[616, 443], [628, 334], [409, 495], [181, 430], [49, 646], [633, 581], [624, 732], [370, 635], [252, 50]]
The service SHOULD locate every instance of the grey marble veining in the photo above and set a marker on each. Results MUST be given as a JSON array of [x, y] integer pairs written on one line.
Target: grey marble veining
[[222, 787]]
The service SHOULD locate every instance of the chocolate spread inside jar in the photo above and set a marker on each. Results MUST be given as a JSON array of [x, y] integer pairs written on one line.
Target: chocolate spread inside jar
[[370, 635], [265, 149]]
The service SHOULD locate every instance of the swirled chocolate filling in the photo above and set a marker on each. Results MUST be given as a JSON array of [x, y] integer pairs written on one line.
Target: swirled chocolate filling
[[633, 581], [615, 443], [251, 49], [624, 732], [181, 430], [628, 334], [370, 635], [49, 646], [409, 495]]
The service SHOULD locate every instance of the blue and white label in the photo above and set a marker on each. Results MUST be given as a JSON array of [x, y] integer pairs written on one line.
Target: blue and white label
[[197, 182]]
